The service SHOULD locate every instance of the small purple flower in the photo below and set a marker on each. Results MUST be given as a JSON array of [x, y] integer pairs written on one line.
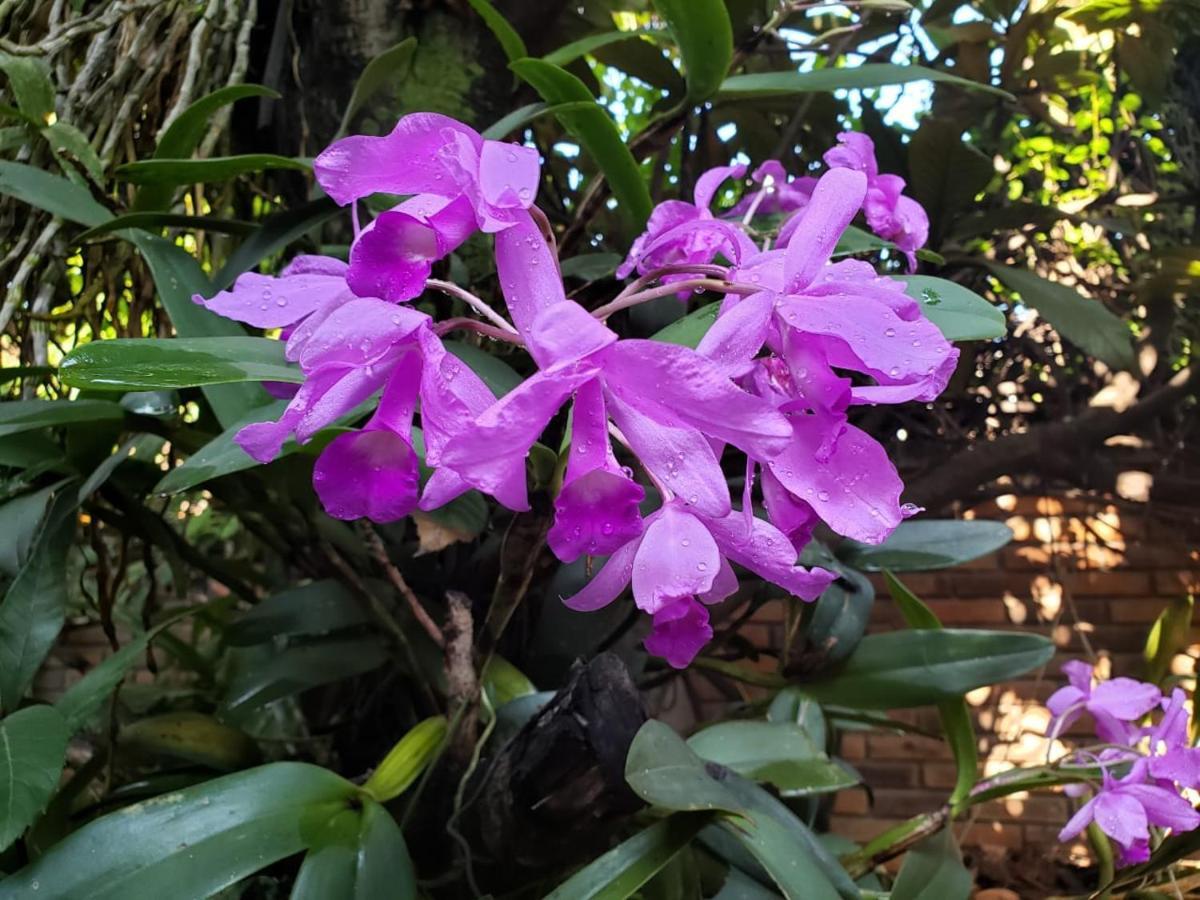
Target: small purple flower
[[1125, 808], [459, 180], [681, 563], [1114, 705], [779, 193], [891, 215], [688, 233]]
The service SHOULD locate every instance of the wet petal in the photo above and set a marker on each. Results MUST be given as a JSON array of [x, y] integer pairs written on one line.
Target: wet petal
[[508, 174], [352, 388], [1081, 820], [787, 512], [369, 474], [268, 302], [854, 150], [725, 585], [677, 558], [765, 550], [359, 332], [835, 201], [393, 257], [608, 583], [1121, 816], [527, 270], [739, 333], [707, 184], [566, 332], [1125, 698], [680, 630]]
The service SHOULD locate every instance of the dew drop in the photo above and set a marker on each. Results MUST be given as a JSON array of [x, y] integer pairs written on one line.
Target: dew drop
[[607, 528], [685, 542], [823, 495], [894, 371], [891, 332], [702, 567], [693, 499]]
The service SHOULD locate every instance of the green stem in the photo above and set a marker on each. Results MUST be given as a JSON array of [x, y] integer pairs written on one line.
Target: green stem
[[1104, 859], [894, 841]]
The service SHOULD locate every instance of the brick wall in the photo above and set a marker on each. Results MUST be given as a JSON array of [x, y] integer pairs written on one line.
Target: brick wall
[[1091, 576]]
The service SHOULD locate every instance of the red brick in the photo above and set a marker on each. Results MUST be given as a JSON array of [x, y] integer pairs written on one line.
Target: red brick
[[1175, 583], [1143, 610], [854, 746], [894, 802], [1109, 584], [939, 775], [889, 774], [905, 747], [850, 803], [993, 834], [965, 613], [984, 584]]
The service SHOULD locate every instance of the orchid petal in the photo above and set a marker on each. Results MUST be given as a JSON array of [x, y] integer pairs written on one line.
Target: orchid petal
[[677, 558], [369, 474], [707, 184], [528, 271], [680, 630], [608, 583], [835, 201], [767, 551]]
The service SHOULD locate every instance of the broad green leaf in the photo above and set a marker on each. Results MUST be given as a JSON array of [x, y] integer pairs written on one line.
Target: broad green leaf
[[629, 865], [156, 221], [1085, 322], [495, 373], [955, 715], [1170, 634], [190, 737], [16, 373], [856, 240], [139, 364], [222, 455], [568, 53], [64, 136], [179, 278], [34, 607], [182, 136], [960, 314], [503, 682], [923, 544], [28, 450], [690, 330], [837, 621], [29, 81], [20, 519], [85, 697], [787, 848], [502, 128], [595, 130], [33, 744], [510, 41], [24, 415], [375, 864], [405, 762], [52, 193], [933, 870], [300, 666], [917, 668], [175, 172], [794, 706], [311, 609], [665, 772], [781, 753], [190, 843], [375, 76], [868, 75], [701, 29], [273, 234], [590, 266]]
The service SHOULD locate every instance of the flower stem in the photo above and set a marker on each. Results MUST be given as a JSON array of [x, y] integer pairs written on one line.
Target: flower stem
[[477, 304], [498, 334], [1104, 858], [666, 290]]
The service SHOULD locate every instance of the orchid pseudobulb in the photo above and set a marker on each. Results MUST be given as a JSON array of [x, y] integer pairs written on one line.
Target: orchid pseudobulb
[[799, 341]]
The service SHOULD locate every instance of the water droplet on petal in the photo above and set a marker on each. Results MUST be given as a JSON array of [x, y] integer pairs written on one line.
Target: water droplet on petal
[[702, 567], [823, 495], [891, 332]]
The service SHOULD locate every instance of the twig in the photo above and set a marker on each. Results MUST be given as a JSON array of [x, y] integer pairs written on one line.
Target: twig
[[667, 290], [476, 303], [379, 553]]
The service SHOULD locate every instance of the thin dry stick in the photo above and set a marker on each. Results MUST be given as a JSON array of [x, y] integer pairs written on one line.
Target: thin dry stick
[[379, 552]]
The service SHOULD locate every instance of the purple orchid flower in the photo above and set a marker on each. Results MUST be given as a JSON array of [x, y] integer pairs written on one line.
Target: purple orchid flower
[[1173, 758], [779, 193], [819, 318], [681, 564], [1125, 808], [460, 182], [688, 233], [891, 215], [667, 401], [1113, 704]]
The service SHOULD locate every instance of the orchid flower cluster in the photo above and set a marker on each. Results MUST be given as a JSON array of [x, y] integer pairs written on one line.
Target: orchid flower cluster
[[798, 341], [1144, 767]]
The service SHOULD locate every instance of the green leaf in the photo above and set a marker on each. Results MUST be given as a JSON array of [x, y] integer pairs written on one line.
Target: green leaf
[[665, 772], [629, 865], [156, 221], [375, 864], [510, 41], [20, 519], [375, 76], [960, 314], [691, 329], [1170, 634], [856, 240], [918, 668], [34, 607], [190, 737], [933, 870], [29, 81], [139, 364], [86, 696], [52, 193], [311, 609], [590, 266], [923, 544], [405, 762], [1084, 322], [190, 843], [701, 29], [178, 278], [503, 682], [273, 234], [175, 172], [868, 75], [503, 127], [63, 136], [789, 851], [593, 127], [792, 705], [781, 753], [945, 174], [24, 415], [222, 455], [955, 715], [33, 745], [16, 373], [296, 668], [568, 53]]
